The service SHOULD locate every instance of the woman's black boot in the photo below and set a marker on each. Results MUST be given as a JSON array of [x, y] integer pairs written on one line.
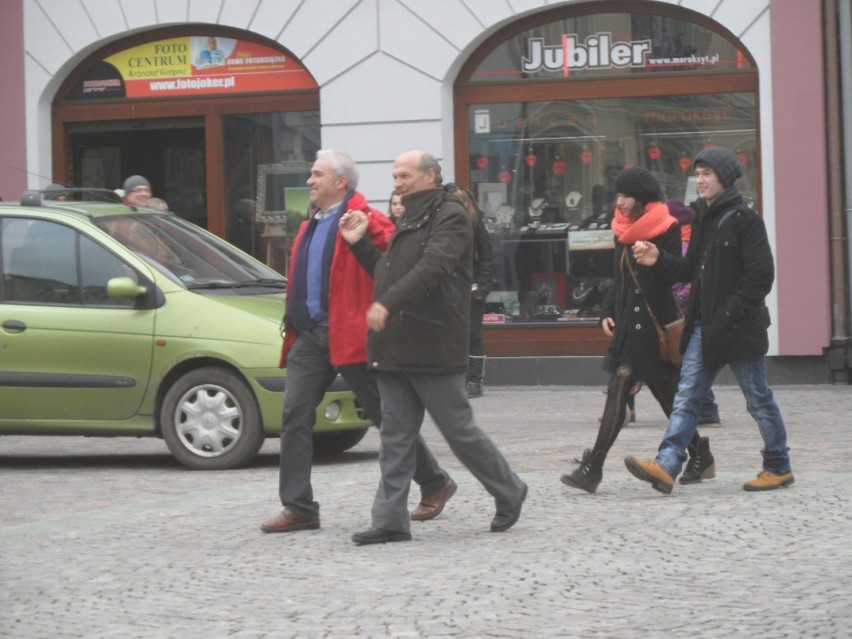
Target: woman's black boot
[[588, 474], [701, 464]]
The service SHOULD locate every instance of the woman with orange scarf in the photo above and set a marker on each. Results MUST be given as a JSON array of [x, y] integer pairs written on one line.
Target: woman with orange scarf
[[633, 353]]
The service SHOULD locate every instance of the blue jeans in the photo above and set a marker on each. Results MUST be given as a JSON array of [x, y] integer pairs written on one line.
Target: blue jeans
[[695, 381]]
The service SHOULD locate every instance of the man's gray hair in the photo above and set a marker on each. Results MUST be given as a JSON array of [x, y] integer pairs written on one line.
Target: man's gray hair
[[427, 162], [342, 165]]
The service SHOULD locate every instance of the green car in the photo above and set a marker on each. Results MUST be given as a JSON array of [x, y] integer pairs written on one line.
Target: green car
[[123, 321]]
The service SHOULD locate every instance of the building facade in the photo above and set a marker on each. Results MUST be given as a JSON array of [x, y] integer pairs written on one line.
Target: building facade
[[536, 105]]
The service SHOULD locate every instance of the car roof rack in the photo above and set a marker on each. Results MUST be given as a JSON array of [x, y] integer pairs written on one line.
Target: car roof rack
[[41, 197]]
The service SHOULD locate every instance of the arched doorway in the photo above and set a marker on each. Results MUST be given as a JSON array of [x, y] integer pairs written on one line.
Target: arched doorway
[[220, 121], [549, 110]]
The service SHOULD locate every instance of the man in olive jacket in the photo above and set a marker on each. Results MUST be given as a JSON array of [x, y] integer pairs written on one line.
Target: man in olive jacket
[[729, 262], [418, 345]]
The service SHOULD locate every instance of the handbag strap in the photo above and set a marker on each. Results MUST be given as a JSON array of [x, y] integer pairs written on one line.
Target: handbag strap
[[626, 259]]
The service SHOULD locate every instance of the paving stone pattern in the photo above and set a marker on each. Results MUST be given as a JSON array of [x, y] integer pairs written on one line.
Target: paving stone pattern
[[110, 538]]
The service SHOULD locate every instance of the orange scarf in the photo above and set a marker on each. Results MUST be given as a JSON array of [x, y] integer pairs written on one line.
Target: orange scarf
[[655, 221]]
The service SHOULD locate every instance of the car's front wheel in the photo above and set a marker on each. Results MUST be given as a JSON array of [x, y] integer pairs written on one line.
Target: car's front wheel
[[210, 420]]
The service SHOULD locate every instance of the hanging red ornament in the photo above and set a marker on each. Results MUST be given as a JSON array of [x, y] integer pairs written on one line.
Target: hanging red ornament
[[481, 162], [505, 176], [654, 152], [709, 144], [585, 156], [743, 158], [626, 165], [531, 158], [558, 167], [684, 162]]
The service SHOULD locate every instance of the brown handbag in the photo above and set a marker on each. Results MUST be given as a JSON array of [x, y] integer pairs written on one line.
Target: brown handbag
[[668, 336]]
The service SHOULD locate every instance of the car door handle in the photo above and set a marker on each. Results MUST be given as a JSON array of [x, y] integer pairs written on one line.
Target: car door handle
[[14, 326]]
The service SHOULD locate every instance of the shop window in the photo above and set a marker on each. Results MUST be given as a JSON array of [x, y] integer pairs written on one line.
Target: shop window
[[543, 166], [268, 159]]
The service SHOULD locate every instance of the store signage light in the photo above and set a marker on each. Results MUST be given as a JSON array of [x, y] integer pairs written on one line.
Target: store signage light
[[598, 52]]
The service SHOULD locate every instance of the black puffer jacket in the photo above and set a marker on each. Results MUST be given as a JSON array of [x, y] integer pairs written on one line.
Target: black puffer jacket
[[424, 281], [635, 340], [729, 291]]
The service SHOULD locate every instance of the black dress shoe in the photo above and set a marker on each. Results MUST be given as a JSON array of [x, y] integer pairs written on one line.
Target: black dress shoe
[[379, 536], [505, 519]]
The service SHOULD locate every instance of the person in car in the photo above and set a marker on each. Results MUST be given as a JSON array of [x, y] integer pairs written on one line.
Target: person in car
[[137, 191]]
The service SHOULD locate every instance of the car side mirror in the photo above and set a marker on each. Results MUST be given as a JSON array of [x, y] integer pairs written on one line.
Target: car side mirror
[[124, 288]]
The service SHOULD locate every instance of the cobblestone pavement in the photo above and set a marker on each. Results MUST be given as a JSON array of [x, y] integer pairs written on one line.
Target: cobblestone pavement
[[112, 538]]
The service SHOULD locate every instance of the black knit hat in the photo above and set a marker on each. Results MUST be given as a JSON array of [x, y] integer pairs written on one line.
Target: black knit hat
[[723, 162], [640, 184]]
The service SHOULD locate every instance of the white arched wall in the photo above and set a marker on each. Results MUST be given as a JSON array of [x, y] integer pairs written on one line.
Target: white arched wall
[[385, 67]]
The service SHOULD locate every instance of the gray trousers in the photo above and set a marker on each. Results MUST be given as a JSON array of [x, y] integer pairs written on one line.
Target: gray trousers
[[405, 398], [309, 375]]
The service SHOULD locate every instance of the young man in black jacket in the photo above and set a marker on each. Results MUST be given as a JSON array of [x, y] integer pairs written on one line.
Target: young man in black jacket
[[729, 262]]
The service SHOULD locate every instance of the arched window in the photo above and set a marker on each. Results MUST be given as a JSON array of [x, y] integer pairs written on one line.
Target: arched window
[[549, 110], [223, 123]]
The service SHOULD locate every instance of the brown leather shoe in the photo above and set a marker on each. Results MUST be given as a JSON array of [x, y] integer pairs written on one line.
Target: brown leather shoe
[[286, 521], [430, 507]]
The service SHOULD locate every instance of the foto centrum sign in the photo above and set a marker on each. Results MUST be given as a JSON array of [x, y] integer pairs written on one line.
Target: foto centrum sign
[[192, 65]]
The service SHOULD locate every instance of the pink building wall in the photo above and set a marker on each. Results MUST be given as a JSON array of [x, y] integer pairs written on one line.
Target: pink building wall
[[13, 129], [801, 178]]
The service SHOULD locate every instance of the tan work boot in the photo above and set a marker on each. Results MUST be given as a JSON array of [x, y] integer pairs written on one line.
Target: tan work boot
[[767, 480], [650, 471]]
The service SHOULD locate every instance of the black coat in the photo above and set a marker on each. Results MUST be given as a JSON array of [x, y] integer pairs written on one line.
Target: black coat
[[483, 259], [635, 340], [424, 281], [729, 263]]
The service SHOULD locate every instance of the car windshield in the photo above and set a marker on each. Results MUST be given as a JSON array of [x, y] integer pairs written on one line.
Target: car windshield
[[187, 253]]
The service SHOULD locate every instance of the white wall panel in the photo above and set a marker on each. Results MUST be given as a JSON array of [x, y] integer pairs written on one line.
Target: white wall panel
[[380, 141], [271, 17], [450, 19], [171, 11], [50, 49], [737, 15], [138, 13], [380, 89], [206, 11], [306, 29], [492, 11], [72, 26], [406, 37], [345, 46], [238, 13], [107, 17]]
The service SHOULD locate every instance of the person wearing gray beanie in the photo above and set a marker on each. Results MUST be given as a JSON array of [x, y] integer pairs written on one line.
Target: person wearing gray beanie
[[137, 191], [723, 162], [730, 265]]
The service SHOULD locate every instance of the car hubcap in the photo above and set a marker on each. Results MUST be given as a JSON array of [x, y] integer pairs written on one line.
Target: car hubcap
[[208, 420]]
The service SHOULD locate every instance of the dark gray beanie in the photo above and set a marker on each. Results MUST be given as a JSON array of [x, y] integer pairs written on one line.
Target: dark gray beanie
[[640, 184], [723, 162], [133, 181]]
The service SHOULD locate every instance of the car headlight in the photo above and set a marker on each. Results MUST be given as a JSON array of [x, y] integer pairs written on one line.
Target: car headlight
[[332, 411]]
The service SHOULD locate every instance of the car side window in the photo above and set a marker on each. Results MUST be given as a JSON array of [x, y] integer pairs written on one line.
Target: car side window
[[39, 262], [97, 267], [40, 265]]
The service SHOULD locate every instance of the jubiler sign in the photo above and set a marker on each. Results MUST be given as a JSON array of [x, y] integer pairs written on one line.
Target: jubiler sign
[[596, 52]]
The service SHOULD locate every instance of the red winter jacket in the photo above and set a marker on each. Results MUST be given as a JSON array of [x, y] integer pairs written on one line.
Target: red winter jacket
[[350, 290]]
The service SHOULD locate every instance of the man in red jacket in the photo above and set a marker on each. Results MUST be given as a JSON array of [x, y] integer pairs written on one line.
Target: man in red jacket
[[328, 294]]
